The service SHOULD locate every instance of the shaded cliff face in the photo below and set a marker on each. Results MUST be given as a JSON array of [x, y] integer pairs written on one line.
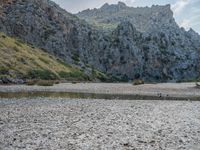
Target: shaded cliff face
[[162, 55], [143, 43]]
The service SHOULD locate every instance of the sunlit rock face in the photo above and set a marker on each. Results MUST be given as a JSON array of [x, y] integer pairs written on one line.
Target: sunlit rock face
[[143, 18], [126, 42]]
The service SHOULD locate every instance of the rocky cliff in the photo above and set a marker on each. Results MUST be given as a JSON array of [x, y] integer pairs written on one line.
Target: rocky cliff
[[143, 43], [143, 18]]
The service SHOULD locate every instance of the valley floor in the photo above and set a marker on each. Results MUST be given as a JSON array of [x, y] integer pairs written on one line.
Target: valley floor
[[86, 124], [186, 91], [63, 123]]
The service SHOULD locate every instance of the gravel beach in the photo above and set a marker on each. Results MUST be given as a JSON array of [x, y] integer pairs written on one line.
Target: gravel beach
[[83, 124]]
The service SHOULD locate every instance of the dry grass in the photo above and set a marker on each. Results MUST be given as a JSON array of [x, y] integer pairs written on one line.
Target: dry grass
[[24, 59]]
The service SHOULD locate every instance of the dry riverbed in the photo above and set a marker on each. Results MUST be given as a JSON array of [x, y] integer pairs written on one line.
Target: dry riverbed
[[47, 123], [87, 124], [185, 90]]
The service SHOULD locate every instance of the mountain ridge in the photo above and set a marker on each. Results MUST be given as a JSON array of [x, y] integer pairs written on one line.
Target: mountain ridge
[[152, 52], [141, 17]]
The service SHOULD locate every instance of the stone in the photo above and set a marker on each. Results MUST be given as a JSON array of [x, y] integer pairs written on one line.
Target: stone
[[144, 43]]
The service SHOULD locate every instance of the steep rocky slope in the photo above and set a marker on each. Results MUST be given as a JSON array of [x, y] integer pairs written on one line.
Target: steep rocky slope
[[143, 43], [161, 55], [148, 40], [19, 62]]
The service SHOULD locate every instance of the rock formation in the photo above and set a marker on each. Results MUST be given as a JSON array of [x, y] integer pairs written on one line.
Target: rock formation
[[130, 43]]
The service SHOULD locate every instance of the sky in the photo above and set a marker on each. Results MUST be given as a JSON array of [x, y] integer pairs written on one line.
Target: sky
[[186, 12]]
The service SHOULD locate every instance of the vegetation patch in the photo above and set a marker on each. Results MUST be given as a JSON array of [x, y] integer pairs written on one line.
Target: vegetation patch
[[16, 49], [48, 32], [19, 59], [41, 82], [75, 57], [3, 36], [102, 77], [31, 82], [18, 43], [42, 74], [75, 75], [45, 83], [138, 82]]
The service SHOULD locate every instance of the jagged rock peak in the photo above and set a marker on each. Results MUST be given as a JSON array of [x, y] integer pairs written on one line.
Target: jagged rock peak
[[119, 5], [192, 31], [167, 6], [143, 18]]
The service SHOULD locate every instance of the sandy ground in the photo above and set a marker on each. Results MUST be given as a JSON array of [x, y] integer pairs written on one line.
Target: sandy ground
[[84, 124], [165, 89]]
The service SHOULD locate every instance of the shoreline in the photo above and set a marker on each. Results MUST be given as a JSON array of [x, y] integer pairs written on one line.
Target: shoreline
[[160, 91]]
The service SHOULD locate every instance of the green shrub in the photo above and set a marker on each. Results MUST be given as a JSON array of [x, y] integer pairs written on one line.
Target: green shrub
[[45, 83], [138, 82], [31, 82], [42, 74], [198, 79], [75, 57], [3, 36], [42, 82], [48, 32], [56, 82], [4, 70], [64, 74]]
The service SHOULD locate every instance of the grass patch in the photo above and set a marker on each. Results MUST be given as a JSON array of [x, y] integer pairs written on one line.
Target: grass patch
[[31, 82], [41, 82], [18, 44], [102, 76], [75, 57], [48, 32], [45, 83], [42, 74], [75, 75], [18, 58]]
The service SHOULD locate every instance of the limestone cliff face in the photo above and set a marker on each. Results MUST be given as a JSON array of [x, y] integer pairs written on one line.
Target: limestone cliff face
[[141, 43], [143, 18], [44, 24], [162, 55]]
